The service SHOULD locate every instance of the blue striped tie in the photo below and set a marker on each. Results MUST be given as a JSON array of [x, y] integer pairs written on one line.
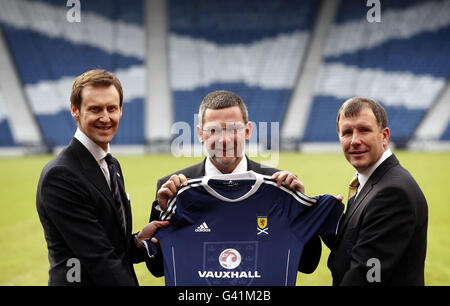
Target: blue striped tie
[[115, 189]]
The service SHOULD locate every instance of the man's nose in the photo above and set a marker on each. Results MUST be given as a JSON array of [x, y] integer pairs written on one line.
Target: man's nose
[[356, 138], [227, 136], [104, 116]]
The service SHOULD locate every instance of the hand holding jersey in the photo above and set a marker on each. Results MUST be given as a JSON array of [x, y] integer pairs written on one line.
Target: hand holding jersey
[[290, 180], [148, 231], [170, 188]]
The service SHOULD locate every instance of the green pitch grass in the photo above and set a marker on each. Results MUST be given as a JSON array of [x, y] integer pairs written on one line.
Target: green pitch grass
[[23, 256]]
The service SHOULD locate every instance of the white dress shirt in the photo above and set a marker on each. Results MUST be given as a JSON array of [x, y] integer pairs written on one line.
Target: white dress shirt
[[211, 170], [96, 151], [364, 176]]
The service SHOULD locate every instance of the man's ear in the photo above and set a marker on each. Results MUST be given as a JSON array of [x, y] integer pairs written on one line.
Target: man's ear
[[248, 131], [386, 134], [199, 134], [75, 112]]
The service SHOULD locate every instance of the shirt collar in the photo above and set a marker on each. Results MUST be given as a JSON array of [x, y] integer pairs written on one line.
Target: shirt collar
[[211, 170], [96, 151], [364, 176]]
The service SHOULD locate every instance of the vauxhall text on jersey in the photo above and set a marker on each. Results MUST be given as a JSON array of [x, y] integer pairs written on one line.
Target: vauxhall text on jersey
[[240, 229]]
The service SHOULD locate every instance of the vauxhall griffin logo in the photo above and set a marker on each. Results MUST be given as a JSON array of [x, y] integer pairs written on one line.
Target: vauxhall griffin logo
[[230, 259], [230, 263]]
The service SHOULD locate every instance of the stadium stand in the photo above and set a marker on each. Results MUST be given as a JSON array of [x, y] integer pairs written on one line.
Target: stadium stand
[[251, 47], [401, 61], [49, 52], [255, 48], [6, 139], [446, 134]]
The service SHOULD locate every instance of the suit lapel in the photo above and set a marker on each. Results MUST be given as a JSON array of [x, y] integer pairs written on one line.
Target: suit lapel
[[368, 187], [359, 199], [194, 171], [91, 170], [94, 174], [253, 166], [259, 168], [199, 169], [125, 200]]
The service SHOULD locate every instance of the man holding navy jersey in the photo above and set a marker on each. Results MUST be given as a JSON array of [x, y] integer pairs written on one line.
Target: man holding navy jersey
[[223, 129]]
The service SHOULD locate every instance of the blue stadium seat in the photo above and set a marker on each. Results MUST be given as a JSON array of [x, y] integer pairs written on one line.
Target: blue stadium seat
[[237, 45], [238, 27], [45, 56], [446, 135], [401, 54], [6, 139]]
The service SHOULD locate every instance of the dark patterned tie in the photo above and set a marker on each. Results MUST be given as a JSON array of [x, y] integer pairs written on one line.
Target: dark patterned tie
[[115, 189]]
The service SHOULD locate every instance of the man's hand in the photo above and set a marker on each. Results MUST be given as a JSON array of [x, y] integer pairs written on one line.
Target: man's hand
[[148, 231], [289, 179], [169, 189]]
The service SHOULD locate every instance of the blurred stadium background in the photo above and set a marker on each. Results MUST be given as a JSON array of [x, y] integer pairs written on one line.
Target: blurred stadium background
[[293, 63]]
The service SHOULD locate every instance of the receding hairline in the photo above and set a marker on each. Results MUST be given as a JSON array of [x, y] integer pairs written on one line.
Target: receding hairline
[[353, 107]]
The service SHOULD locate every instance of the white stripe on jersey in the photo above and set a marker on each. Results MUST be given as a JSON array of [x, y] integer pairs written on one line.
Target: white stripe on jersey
[[300, 197], [303, 199], [174, 269], [167, 215], [287, 267]]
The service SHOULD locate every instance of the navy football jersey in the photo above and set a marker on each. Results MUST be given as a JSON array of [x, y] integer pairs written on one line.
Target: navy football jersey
[[240, 229]]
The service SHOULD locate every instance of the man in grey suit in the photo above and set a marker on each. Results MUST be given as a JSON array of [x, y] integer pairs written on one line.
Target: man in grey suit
[[382, 238], [223, 129]]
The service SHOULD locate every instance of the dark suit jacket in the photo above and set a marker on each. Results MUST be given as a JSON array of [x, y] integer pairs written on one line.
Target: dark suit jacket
[[388, 221], [311, 252], [80, 220]]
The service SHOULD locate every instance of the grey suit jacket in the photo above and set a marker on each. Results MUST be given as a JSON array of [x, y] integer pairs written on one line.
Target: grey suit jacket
[[387, 224]]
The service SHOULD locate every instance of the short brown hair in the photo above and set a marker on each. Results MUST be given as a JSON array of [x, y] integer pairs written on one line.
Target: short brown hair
[[221, 99], [96, 77], [354, 105]]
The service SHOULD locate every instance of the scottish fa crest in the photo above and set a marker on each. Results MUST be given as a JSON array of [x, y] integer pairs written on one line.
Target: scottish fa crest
[[262, 226]]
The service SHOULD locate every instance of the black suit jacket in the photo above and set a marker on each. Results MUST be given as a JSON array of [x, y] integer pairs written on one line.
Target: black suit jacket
[[80, 221], [311, 252], [388, 221]]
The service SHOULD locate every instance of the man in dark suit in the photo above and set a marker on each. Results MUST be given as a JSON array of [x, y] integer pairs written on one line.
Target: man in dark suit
[[223, 129], [382, 237], [81, 198]]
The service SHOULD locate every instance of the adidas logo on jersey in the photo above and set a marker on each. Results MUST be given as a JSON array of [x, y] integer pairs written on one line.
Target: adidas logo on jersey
[[203, 228]]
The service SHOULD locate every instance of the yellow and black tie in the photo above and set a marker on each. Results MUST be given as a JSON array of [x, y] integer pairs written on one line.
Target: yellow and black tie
[[352, 190], [353, 187]]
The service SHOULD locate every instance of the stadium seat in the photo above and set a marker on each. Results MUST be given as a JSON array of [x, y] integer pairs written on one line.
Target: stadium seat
[[257, 47], [401, 62], [48, 58]]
